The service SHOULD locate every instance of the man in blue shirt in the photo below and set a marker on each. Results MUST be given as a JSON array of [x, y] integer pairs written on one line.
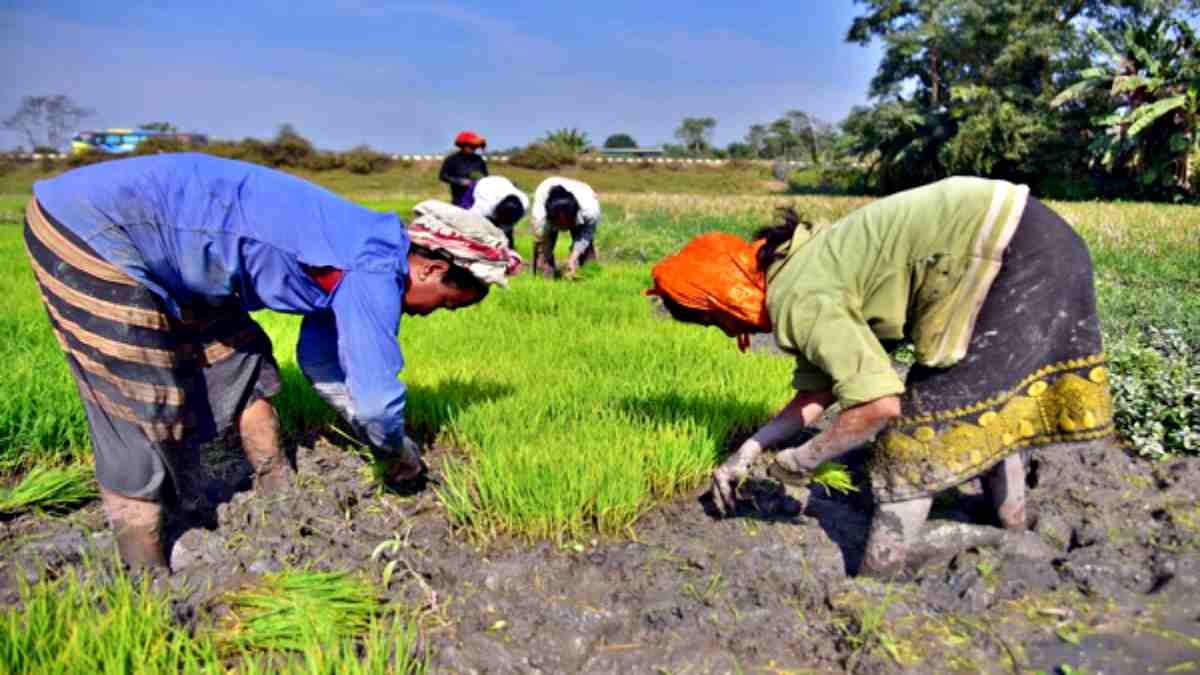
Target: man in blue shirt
[[149, 267]]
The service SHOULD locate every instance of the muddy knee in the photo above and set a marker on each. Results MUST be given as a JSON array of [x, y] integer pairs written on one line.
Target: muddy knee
[[1005, 486], [137, 526], [259, 429], [894, 529]]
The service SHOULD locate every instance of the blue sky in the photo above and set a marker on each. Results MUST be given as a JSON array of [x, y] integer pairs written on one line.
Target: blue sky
[[407, 76]]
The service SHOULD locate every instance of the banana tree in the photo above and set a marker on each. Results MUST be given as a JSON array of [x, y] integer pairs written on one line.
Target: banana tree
[[1152, 83]]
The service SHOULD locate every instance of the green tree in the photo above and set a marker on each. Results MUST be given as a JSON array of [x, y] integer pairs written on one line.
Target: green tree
[[781, 141], [756, 139], [964, 85], [620, 141], [811, 135], [288, 148], [695, 133], [1148, 80], [572, 140], [740, 150], [165, 127]]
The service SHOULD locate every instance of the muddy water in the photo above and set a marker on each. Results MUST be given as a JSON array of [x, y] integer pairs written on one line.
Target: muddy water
[[1108, 578]]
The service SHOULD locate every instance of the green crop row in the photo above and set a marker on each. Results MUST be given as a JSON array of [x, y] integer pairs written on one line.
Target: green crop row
[[576, 409], [295, 621]]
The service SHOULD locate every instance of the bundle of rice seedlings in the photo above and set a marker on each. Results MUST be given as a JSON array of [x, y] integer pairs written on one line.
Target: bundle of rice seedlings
[[389, 646], [51, 488], [294, 610], [833, 476]]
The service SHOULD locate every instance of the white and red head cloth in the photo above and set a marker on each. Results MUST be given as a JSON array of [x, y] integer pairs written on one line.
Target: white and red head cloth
[[470, 240]]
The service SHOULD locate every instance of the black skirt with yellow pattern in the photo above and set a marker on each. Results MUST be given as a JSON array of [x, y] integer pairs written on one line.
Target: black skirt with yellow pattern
[[1034, 373]]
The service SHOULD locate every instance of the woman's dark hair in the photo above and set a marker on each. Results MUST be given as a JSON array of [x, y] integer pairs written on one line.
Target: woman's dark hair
[[508, 211], [777, 235], [456, 276], [681, 313], [561, 201]]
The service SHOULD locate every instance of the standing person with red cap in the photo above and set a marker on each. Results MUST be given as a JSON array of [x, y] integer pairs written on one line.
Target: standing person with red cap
[[464, 167]]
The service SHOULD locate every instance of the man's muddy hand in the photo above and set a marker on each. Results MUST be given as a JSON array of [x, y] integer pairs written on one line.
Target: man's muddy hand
[[404, 466]]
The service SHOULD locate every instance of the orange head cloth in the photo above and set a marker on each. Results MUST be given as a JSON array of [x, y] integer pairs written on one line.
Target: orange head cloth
[[718, 274]]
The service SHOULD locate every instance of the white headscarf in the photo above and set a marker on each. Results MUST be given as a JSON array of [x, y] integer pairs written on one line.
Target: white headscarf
[[468, 238]]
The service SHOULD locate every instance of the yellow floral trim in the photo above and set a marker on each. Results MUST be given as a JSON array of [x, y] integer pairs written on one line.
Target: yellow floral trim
[[912, 460], [1073, 364]]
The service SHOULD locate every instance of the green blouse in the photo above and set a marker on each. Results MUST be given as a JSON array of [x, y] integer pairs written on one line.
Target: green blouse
[[917, 265]]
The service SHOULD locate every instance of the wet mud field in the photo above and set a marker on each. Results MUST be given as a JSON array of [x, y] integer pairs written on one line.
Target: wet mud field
[[1107, 579]]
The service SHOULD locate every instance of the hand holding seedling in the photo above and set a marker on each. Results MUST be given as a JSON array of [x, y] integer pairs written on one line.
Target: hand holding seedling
[[729, 476], [802, 410]]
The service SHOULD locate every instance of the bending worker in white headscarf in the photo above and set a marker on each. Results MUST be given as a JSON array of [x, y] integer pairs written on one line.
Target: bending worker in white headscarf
[[561, 204], [498, 200]]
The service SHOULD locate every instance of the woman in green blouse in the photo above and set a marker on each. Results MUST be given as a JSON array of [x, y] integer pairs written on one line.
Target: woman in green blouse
[[993, 290]]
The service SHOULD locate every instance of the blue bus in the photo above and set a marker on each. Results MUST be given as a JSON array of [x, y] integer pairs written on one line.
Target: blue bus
[[119, 141]]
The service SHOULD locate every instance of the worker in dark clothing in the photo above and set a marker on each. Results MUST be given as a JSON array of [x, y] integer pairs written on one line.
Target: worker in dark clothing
[[464, 167]]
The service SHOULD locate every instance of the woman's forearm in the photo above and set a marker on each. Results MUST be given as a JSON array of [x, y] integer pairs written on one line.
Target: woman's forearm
[[852, 428], [801, 411]]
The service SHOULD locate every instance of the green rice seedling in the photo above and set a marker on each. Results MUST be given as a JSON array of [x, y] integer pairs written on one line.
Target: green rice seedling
[[833, 476], [76, 626], [386, 647], [575, 409], [79, 625], [50, 488], [41, 418], [292, 610]]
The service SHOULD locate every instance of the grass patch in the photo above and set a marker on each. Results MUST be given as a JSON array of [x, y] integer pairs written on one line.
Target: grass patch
[[584, 410], [74, 625], [12, 208], [420, 178], [50, 488], [41, 418]]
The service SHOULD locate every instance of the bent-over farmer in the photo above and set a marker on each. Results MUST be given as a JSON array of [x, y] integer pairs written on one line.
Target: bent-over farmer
[[993, 289], [149, 268], [501, 202], [562, 204]]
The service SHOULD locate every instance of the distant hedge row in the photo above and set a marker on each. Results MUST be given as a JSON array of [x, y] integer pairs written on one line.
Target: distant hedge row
[[287, 150]]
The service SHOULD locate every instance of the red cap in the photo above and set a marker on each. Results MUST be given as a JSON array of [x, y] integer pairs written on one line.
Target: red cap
[[470, 138]]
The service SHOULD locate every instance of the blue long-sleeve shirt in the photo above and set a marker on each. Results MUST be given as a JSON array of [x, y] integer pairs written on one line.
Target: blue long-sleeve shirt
[[193, 227]]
